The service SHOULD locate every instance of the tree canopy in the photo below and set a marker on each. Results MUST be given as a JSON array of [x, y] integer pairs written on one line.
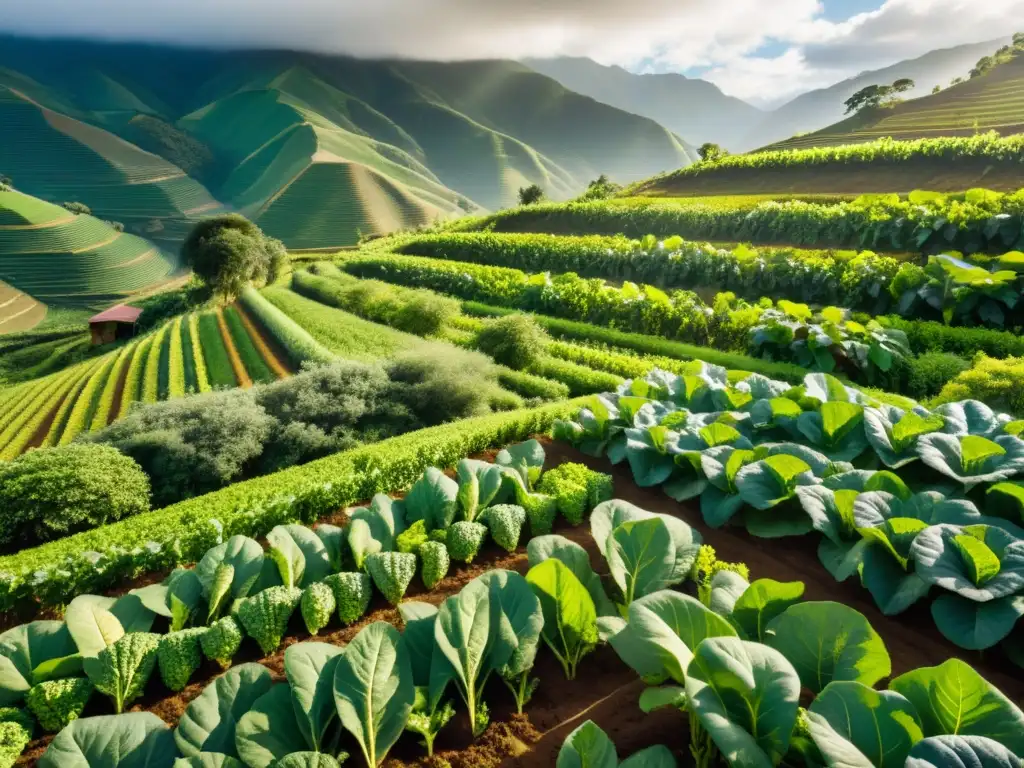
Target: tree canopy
[[229, 252], [709, 152], [874, 96], [531, 194]]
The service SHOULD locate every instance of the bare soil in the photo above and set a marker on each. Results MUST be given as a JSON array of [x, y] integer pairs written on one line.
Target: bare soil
[[605, 691]]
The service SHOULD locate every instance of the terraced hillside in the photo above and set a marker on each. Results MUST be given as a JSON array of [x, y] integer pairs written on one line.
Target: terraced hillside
[[316, 149], [50, 256], [992, 102], [221, 348], [59, 158]]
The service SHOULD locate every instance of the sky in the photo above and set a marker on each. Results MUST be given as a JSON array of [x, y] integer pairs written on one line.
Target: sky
[[760, 50]]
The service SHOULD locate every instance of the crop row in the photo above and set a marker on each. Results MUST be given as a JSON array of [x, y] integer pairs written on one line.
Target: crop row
[[783, 462], [989, 146], [54, 573], [830, 340], [495, 626], [931, 222]]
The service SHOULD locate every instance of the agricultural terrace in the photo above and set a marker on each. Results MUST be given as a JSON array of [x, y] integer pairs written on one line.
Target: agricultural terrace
[[67, 260], [62, 158], [193, 353], [705, 477]]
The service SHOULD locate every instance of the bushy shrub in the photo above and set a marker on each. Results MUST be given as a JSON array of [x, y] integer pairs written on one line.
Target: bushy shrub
[[576, 489], [514, 340], [51, 493], [193, 445], [14, 737], [445, 385], [229, 252], [998, 383], [505, 522], [927, 374]]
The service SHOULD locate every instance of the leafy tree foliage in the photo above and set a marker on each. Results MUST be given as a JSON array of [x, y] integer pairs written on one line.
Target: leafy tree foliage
[[709, 152], [49, 494], [77, 208], [229, 252], [874, 96], [531, 194], [601, 188]]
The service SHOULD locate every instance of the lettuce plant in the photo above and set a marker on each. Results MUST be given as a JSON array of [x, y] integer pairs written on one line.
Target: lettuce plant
[[570, 617], [179, 655], [973, 459], [265, 615], [392, 573], [526, 459], [505, 523], [34, 652], [893, 433], [55, 703], [465, 540], [317, 605], [222, 640], [352, 594], [589, 747], [576, 559], [209, 722], [479, 484], [430, 711], [435, 563], [228, 572], [836, 429], [129, 740], [123, 668], [299, 554]]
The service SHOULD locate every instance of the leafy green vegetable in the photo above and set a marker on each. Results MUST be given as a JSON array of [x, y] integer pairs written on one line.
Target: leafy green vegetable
[[300, 554], [130, 740], [977, 562], [973, 459], [505, 523], [270, 729], [310, 668], [589, 747], [123, 668], [746, 696], [265, 616], [436, 562], [465, 540], [828, 641], [570, 618], [317, 605], [55, 703], [434, 499], [14, 737], [392, 573], [352, 593], [222, 640], [942, 751], [526, 459], [210, 720], [641, 558], [575, 557], [479, 483], [244, 556], [179, 655], [760, 603], [373, 690], [29, 649]]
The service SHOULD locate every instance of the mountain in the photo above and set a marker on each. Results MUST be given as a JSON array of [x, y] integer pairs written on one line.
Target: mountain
[[693, 108], [988, 103], [316, 149], [816, 109]]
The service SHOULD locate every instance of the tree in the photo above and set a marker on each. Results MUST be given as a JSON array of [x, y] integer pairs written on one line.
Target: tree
[[866, 98], [6, 185], [710, 152], [936, 89], [229, 252], [531, 194], [1018, 41], [902, 85], [983, 67], [77, 208], [601, 188]]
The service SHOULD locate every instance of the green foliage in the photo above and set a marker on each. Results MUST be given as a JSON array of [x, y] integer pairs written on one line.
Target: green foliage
[[570, 618], [318, 603], [541, 511], [352, 593], [179, 656], [931, 372], [505, 523], [514, 340], [123, 668], [265, 615], [55, 573], [435, 563], [997, 383], [295, 340], [600, 188], [412, 537], [79, 209], [465, 540], [530, 195], [875, 96], [576, 488], [13, 739], [222, 640], [710, 152], [50, 494], [229, 252], [392, 573], [55, 703]]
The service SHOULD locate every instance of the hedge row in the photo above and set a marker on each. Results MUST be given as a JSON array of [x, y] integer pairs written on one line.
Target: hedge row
[[87, 401], [176, 361], [101, 416], [95, 560], [133, 378], [202, 375], [151, 377], [297, 343]]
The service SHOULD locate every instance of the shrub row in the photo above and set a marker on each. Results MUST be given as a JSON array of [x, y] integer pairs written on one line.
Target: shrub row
[[106, 401], [252, 360], [998, 383], [95, 560], [581, 379], [176, 373], [202, 375], [133, 379], [86, 403], [218, 362], [925, 221]]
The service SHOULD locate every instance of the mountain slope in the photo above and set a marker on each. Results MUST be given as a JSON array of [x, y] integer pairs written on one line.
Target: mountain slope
[[993, 102], [317, 149], [816, 109], [695, 109]]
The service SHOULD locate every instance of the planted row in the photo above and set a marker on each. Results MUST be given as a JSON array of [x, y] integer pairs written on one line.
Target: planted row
[[784, 461]]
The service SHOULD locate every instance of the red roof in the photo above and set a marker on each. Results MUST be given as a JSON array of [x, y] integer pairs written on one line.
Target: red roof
[[122, 313]]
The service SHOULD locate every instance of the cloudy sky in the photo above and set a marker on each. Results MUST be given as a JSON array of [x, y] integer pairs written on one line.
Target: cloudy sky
[[760, 50]]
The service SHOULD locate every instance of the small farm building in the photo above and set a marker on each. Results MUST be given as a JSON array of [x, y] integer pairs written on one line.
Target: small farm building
[[114, 324]]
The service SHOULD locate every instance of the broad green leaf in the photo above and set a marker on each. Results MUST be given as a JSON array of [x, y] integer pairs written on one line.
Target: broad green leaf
[[771, 481], [209, 760], [912, 426], [719, 434], [310, 668], [528, 457], [361, 542], [828, 641], [240, 552], [953, 699], [307, 760], [726, 588], [657, 756], [893, 588], [975, 449], [463, 635], [641, 557], [577, 560], [130, 740], [839, 419], [762, 601], [269, 730], [662, 631], [209, 721], [587, 747], [972, 459], [479, 482], [980, 562], [373, 689], [967, 751], [976, 626], [92, 624], [941, 560], [433, 498], [154, 597], [888, 482], [662, 697], [316, 558], [570, 618], [830, 511], [290, 561], [25, 649], [385, 518], [516, 622], [881, 726], [746, 697], [418, 636], [1006, 500], [897, 536]]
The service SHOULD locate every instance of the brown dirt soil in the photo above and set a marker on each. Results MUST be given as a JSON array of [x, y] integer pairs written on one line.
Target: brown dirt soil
[[606, 691], [266, 345], [241, 375]]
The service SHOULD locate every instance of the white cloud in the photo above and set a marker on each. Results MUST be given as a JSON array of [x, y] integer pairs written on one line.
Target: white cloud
[[721, 35]]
